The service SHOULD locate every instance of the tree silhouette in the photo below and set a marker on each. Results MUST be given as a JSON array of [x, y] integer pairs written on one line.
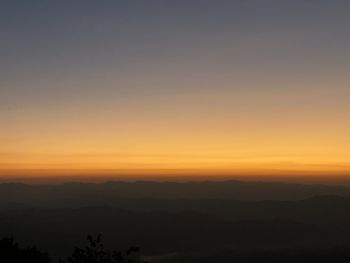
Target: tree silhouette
[[11, 252], [95, 252]]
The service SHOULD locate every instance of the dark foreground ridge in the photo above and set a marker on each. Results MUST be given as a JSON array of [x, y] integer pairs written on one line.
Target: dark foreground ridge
[[96, 252]]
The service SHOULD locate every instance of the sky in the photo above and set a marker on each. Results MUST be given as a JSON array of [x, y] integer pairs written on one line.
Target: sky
[[167, 87]]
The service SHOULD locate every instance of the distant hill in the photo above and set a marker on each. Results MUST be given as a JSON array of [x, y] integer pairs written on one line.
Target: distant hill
[[109, 193]]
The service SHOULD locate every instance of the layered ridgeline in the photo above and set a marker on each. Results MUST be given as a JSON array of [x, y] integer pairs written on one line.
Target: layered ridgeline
[[112, 193], [179, 222]]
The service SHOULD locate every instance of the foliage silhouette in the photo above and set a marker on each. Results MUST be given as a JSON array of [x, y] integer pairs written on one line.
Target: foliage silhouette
[[95, 252], [11, 252]]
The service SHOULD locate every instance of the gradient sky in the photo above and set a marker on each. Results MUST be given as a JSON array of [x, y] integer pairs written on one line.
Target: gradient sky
[[220, 87]]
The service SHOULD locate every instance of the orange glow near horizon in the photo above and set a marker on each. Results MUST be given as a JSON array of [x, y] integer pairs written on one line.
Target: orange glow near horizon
[[200, 155], [215, 137]]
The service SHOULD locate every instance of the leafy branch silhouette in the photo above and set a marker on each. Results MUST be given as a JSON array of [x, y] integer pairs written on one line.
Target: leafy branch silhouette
[[95, 252]]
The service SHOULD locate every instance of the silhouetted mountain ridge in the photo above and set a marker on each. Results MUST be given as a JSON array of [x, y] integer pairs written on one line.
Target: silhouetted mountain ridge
[[109, 193], [180, 219]]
